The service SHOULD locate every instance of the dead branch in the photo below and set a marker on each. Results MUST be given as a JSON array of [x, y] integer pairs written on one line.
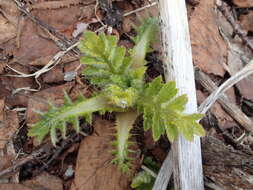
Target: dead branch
[[63, 43], [246, 71], [224, 8], [165, 173], [17, 164], [187, 163], [46, 151], [232, 109]]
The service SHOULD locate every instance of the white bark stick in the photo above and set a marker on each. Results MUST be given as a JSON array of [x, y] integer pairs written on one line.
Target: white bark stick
[[187, 162]]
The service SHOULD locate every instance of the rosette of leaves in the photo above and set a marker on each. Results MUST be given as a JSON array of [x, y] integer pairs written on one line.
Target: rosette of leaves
[[119, 74]]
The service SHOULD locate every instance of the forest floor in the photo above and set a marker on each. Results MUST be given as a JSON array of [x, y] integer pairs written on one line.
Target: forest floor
[[32, 73]]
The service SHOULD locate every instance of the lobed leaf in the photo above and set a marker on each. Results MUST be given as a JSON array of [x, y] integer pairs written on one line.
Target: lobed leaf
[[163, 112], [57, 118]]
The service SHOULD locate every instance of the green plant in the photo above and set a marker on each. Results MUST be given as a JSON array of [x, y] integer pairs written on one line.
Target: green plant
[[119, 73], [144, 180]]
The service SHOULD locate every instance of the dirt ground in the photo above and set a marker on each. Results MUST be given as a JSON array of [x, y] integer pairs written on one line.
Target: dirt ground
[[33, 71]]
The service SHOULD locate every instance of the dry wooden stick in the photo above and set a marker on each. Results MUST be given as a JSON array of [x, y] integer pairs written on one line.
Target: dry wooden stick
[[187, 163], [21, 162], [232, 109], [223, 7], [63, 43], [246, 71], [42, 153], [165, 173]]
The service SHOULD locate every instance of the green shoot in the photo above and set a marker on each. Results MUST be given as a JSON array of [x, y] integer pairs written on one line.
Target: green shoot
[[119, 73]]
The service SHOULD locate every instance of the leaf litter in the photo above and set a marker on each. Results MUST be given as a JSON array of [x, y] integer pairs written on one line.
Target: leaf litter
[[213, 54]]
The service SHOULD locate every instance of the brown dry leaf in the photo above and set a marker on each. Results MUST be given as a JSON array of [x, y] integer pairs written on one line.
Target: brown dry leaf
[[57, 74], [87, 13], [14, 187], [63, 20], [34, 38], [12, 83], [243, 3], [39, 101], [6, 161], [7, 30], [246, 21], [17, 100], [58, 4], [8, 20], [2, 65], [42, 61], [245, 87], [3, 91], [225, 121], [209, 49], [44, 181], [32, 45], [10, 126], [237, 56], [223, 118], [94, 169], [7, 156], [1, 109], [10, 11]]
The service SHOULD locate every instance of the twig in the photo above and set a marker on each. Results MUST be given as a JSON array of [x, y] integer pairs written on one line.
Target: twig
[[187, 162], [246, 71], [165, 173], [145, 168], [18, 164], [99, 20], [232, 109], [140, 9], [44, 152], [63, 42], [51, 64], [65, 144], [223, 7], [127, 14]]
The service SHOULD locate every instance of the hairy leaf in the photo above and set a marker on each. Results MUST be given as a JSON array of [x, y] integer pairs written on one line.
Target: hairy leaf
[[104, 59], [143, 181], [124, 123], [163, 112], [146, 34], [108, 64], [57, 118]]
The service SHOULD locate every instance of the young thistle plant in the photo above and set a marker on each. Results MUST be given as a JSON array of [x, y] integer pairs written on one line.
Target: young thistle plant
[[120, 75]]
